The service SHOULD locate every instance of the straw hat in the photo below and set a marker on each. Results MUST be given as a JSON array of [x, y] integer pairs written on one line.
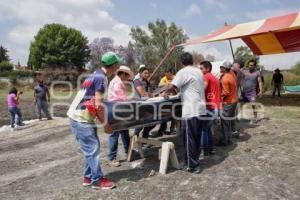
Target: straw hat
[[126, 70]]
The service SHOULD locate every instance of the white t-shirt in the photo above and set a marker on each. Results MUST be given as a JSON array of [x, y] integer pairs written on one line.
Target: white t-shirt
[[189, 81]]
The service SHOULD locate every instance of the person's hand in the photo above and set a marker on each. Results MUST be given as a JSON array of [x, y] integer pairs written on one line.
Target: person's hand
[[34, 100], [260, 94], [150, 95], [166, 96], [107, 128]]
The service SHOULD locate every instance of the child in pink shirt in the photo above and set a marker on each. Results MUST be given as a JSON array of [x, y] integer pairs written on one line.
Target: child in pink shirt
[[117, 91], [12, 104]]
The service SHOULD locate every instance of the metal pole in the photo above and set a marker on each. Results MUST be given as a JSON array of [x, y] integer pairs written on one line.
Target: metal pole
[[231, 49], [162, 61]]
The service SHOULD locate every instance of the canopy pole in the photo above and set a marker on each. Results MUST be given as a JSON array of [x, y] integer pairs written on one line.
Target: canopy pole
[[231, 50], [162, 61]]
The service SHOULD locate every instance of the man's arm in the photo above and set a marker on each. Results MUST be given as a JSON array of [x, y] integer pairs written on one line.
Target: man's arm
[[261, 86], [170, 88], [205, 84], [48, 95], [34, 96], [142, 92], [225, 88]]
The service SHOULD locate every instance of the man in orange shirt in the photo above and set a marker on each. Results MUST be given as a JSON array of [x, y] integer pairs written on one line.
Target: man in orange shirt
[[229, 100]]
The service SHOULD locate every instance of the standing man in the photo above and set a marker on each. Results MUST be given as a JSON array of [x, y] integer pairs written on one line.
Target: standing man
[[143, 90], [167, 79], [252, 80], [213, 105], [83, 122], [229, 99], [189, 80], [117, 91], [41, 99], [277, 81], [237, 69]]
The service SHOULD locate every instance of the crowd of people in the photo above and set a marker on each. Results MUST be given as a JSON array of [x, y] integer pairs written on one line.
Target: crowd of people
[[204, 98]]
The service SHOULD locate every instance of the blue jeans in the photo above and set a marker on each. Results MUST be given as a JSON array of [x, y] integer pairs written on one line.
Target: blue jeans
[[42, 105], [113, 143], [207, 139], [88, 140], [16, 116]]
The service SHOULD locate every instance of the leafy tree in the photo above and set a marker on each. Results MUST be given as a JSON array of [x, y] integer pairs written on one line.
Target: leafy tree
[[56, 45], [296, 68], [98, 47], [244, 55], [3, 54], [197, 57], [155, 44], [210, 58], [101, 45], [6, 66]]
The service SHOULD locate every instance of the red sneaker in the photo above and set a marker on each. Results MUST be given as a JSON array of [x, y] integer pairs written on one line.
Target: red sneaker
[[103, 184], [86, 181]]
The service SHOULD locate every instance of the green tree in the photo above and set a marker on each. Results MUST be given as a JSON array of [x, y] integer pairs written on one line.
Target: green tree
[[296, 68], [6, 66], [3, 54], [155, 44], [56, 45], [244, 55]]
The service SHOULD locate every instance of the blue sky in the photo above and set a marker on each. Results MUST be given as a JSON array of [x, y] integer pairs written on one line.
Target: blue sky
[[20, 20]]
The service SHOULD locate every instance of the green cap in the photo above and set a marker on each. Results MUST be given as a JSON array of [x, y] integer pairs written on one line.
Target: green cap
[[110, 58]]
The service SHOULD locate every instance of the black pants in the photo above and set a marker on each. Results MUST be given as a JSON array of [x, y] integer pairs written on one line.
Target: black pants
[[146, 131], [192, 130], [276, 88], [163, 126], [227, 118]]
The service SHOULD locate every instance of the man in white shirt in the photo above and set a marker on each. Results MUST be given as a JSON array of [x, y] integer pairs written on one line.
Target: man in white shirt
[[189, 80]]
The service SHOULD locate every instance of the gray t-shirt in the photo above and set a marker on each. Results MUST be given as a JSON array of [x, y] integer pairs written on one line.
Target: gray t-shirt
[[250, 80], [191, 84], [144, 83], [41, 92]]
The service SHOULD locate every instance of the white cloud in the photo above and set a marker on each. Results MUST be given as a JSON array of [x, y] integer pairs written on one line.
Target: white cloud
[[89, 16], [154, 5], [192, 10], [216, 3]]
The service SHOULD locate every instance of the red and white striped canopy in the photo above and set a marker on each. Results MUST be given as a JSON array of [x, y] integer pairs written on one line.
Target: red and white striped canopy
[[268, 36]]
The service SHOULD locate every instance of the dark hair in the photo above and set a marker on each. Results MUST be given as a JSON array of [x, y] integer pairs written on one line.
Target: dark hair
[[143, 69], [13, 91], [240, 62], [186, 59], [207, 65], [253, 61], [120, 73], [168, 69]]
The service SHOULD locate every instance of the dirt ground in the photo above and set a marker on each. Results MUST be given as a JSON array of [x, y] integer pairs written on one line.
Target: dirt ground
[[42, 161]]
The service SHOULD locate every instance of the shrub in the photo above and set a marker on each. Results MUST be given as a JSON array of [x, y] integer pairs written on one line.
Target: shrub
[[6, 67], [296, 68]]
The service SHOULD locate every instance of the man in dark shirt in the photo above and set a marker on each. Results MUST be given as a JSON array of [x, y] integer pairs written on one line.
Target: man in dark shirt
[[41, 99], [277, 80]]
